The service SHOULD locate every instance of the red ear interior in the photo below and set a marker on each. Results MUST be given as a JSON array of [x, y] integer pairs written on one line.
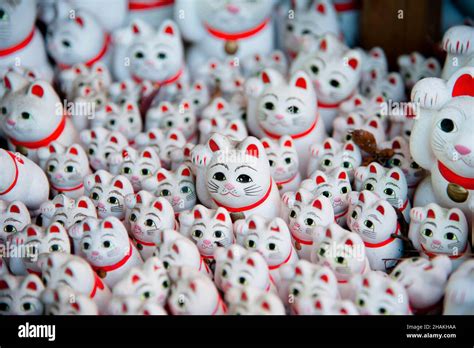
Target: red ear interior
[[138, 198], [7, 83], [353, 63], [234, 127], [318, 305], [147, 154], [250, 262], [221, 217], [198, 87], [108, 109], [214, 122], [114, 140], [192, 285], [230, 254], [357, 102], [130, 107], [265, 78], [68, 271], [288, 143], [37, 90], [169, 30], [97, 179], [298, 197], [186, 172], [373, 124], [118, 184], [298, 271], [158, 206], [265, 144], [197, 214], [379, 99], [365, 283], [301, 83], [31, 232], [395, 176], [390, 292], [86, 227], [54, 229], [317, 204], [381, 210], [350, 120], [275, 229], [349, 242], [454, 217], [73, 151], [108, 224], [349, 147], [392, 80], [243, 297], [174, 136], [220, 106], [82, 204], [373, 169], [361, 198], [324, 278], [431, 214], [135, 278], [32, 286], [252, 150], [175, 248], [213, 146], [327, 145], [164, 108], [266, 306], [3, 285], [396, 145], [161, 177], [15, 209], [342, 176], [323, 45], [328, 233], [320, 179], [252, 225], [80, 21], [321, 8]]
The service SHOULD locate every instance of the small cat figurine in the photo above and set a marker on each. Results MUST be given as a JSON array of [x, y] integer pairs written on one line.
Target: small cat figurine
[[335, 185], [290, 109], [254, 65], [284, 162], [123, 118], [168, 117], [435, 230], [34, 243], [271, 238], [135, 165], [390, 184], [20, 41], [308, 282], [176, 250], [224, 77], [238, 171], [208, 229], [148, 216], [390, 86], [318, 19], [306, 213], [108, 192], [148, 282], [17, 170], [60, 268], [240, 268], [234, 129], [458, 299], [67, 211], [121, 92], [231, 109], [375, 221], [100, 143], [75, 81], [105, 244], [192, 293], [66, 301], [77, 39], [374, 64], [378, 294], [177, 187], [14, 216], [441, 141], [252, 301], [32, 116], [21, 295], [344, 252], [227, 29], [199, 96], [415, 67], [65, 167], [424, 281], [131, 305], [333, 154]]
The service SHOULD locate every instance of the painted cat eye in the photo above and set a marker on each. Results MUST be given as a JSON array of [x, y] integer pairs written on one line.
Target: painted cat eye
[[244, 178], [293, 214], [427, 232], [25, 115], [269, 106], [450, 236], [447, 125], [9, 228], [219, 176], [369, 187]]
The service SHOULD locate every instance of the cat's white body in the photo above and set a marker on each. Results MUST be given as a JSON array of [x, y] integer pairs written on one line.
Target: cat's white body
[[415, 67], [440, 231], [22, 180], [375, 221], [458, 298], [21, 295], [148, 216]]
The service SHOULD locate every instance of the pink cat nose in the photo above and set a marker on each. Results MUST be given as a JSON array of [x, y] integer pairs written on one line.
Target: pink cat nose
[[462, 149], [101, 205], [135, 178], [176, 199], [317, 84], [280, 170], [95, 253], [229, 186], [11, 122], [233, 9], [437, 242], [206, 242], [337, 200], [58, 176], [279, 117]]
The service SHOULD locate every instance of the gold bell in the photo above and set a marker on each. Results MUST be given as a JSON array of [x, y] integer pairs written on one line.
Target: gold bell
[[457, 193], [102, 274], [231, 47]]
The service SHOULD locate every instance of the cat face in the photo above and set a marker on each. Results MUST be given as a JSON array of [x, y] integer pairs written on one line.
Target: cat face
[[389, 184], [156, 56], [415, 67], [68, 211], [374, 219], [240, 268], [335, 77], [282, 157], [148, 216], [75, 40], [177, 187], [342, 251], [123, 91], [193, 293], [251, 301], [14, 217], [21, 295], [82, 81], [233, 109], [234, 129], [169, 117], [374, 65], [334, 185], [255, 64], [103, 242], [287, 107], [149, 282], [211, 229], [108, 192], [377, 294], [307, 283], [65, 167], [29, 110], [135, 165], [391, 87], [234, 16], [198, 95], [100, 144], [125, 119], [240, 171], [18, 17], [441, 231], [61, 303], [224, 76]]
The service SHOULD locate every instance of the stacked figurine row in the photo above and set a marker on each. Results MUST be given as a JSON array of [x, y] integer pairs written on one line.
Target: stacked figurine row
[[270, 167]]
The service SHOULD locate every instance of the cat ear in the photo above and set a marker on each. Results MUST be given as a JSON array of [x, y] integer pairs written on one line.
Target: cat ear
[[222, 215], [265, 142], [252, 147], [18, 207], [37, 89], [374, 123], [236, 125], [394, 79], [13, 81], [217, 142], [184, 105], [353, 60], [286, 141], [301, 80], [389, 291], [342, 175], [169, 28], [396, 174], [317, 204], [432, 65], [85, 203], [56, 227], [33, 230], [164, 107], [320, 7], [79, 21], [374, 168], [430, 214], [349, 146], [199, 211], [162, 174], [130, 107], [456, 215], [184, 170], [32, 284], [220, 104], [320, 179]]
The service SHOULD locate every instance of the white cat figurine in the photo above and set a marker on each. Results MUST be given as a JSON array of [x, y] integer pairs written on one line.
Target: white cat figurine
[[252, 301], [21, 295], [415, 67], [458, 298], [14, 216]]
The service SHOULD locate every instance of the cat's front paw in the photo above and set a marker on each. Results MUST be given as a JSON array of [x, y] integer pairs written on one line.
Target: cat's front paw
[[430, 93], [459, 40], [288, 199], [417, 214], [200, 156], [253, 87]]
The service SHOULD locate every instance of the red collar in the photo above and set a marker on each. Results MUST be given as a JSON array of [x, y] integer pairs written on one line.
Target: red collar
[[116, 265], [302, 241], [248, 207], [431, 255], [7, 51], [452, 177], [98, 57], [67, 189], [210, 257], [13, 184], [385, 242], [341, 214], [157, 84], [294, 136], [281, 264], [205, 265], [404, 205], [287, 181], [143, 242], [335, 105], [236, 36], [98, 284], [221, 304], [347, 6], [44, 142], [138, 6]]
